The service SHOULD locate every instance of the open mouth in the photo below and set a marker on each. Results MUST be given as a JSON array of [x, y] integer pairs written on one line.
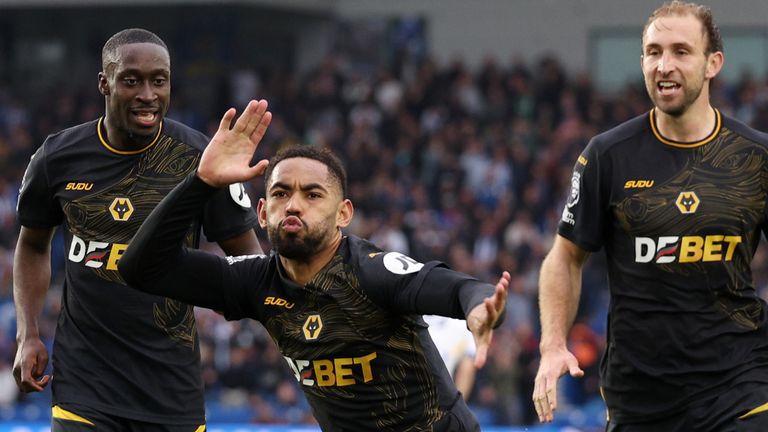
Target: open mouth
[[667, 87], [145, 118]]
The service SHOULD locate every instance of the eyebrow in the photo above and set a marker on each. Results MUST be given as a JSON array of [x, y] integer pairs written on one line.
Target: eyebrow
[[137, 71], [675, 45], [305, 188]]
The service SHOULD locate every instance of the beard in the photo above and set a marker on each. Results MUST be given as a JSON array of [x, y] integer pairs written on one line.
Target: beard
[[676, 109], [292, 245]]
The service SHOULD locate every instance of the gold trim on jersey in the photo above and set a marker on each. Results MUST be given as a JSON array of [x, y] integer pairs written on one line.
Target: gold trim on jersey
[[607, 411], [710, 137], [126, 152], [200, 428], [758, 410], [60, 413]]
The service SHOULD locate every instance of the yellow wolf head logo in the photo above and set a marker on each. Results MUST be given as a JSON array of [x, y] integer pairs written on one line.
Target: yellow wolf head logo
[[121, 209], [312, 327], [687, 202]]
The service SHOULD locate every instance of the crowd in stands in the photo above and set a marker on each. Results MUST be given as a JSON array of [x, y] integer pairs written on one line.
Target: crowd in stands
[[466, 166]]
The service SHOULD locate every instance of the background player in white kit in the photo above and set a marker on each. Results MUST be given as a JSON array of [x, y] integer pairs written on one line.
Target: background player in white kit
[[457, 349]]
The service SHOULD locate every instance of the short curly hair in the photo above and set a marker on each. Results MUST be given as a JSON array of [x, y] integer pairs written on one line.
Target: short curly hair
[[320, 154], [125, 37]]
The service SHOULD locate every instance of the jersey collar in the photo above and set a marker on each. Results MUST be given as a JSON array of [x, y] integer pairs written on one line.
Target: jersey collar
[[104, 142], [681, 144]]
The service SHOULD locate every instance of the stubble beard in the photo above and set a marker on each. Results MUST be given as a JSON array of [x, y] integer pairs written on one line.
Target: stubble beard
[[293, 246], [677, 110], [689, 96]]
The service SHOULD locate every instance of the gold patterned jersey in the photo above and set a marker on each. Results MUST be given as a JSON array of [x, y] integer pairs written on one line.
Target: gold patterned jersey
[[352, 335], [116, 349], [679, 223], [362, 365]]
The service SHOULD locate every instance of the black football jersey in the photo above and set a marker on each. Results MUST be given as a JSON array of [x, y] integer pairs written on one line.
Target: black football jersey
[[364, 363], [353, 335], [680, 223], [117, 349]]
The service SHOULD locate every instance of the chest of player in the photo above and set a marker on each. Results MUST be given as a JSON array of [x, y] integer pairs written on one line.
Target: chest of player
[[112, 193], [694, 205], [330, 334], [308, 321], [104, 197], [663, 190]]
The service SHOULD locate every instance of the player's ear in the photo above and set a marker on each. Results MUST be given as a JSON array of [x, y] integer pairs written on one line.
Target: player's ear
[[714, 64], [261, 212], [345, 213], [103, 84]]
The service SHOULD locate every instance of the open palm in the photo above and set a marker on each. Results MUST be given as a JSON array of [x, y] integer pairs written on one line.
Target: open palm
[[227, 159], [482, 318]]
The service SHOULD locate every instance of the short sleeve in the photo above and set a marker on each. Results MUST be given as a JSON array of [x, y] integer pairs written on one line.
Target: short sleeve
[[228, 213], [584, 211], [37, 207]]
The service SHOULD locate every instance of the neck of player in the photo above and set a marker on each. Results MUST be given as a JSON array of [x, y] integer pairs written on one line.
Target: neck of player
[[695, 124], [302, 271]]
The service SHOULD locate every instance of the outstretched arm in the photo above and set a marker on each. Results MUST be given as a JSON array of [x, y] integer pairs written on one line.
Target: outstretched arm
[[559, 292]]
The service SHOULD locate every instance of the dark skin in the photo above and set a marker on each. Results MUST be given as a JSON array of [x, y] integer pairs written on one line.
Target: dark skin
[[136, 84], [31, 277]]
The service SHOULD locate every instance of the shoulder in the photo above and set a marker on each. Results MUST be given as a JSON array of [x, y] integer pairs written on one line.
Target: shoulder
[[359, 247], [70, 136], [367, 254], [377, 266], [359, 252], [185, 134], [744, 131]]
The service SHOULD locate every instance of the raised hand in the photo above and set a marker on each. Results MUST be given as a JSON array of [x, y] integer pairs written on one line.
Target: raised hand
[[227, 159], [482, 318]]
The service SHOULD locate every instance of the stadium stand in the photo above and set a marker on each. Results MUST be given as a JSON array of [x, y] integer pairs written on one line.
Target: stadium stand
[[447, 162]]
